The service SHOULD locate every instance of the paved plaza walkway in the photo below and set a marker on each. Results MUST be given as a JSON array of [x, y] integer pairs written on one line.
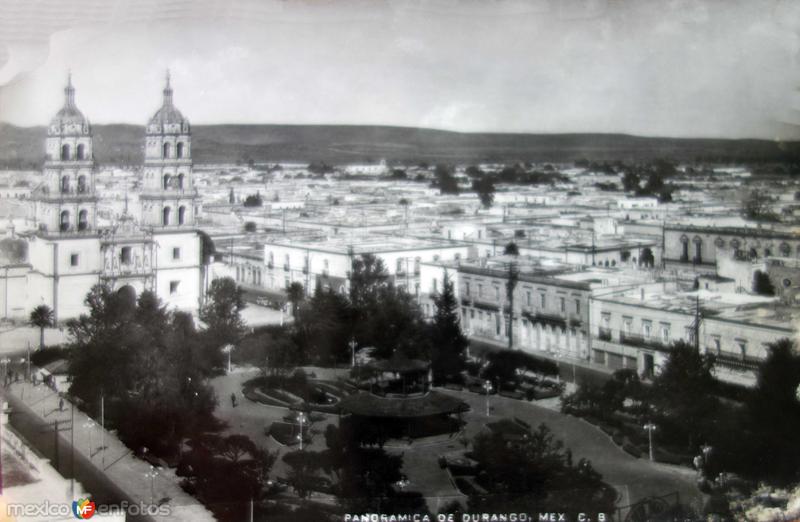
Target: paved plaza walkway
[[634, 479]]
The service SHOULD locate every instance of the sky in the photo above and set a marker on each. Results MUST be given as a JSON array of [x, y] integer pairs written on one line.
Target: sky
[[683, 68]]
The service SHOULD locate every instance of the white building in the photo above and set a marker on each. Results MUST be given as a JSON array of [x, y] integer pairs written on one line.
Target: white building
[[69, 252]]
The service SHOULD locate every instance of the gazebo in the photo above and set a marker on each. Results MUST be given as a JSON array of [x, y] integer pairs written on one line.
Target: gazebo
[[400, 401]]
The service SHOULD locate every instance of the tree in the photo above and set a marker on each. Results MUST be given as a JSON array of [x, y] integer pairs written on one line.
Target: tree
[[302, 468], [757, 205], [762, 284], [225, 473], [295, 293], [511, 249], [250, 226], [146, 362], [449, 343], [535, 470], [774, 416], [253, 200], [445, 180], [484, 187], [630, 180], [368, 275], [42, 317], [683, 393], [221, 312]]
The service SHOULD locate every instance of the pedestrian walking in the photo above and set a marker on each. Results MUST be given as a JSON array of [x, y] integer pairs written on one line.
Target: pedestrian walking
[[61, 404], [233, 399]]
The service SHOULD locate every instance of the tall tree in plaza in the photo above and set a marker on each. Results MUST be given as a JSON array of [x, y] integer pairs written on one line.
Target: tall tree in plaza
[[367, 276], [322, 328], [222, 312], [683, 393], [382, 315], [449, 343], [142, 360], [42, 317], [295, 293], [774, 413], [537, 471]]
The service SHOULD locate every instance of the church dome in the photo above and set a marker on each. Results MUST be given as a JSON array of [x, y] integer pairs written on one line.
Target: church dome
[[69, 115], [168, 114]]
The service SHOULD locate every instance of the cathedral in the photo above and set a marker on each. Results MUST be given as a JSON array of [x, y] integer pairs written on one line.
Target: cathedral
[[68, 253]]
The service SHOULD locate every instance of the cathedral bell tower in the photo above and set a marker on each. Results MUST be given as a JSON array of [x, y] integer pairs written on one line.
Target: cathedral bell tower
[[66, 202], [168, 197]]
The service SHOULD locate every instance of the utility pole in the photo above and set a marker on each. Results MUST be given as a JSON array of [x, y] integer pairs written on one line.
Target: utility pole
[[103, 431], [55, 451], [513, 276], [72, 450], [697, 320]]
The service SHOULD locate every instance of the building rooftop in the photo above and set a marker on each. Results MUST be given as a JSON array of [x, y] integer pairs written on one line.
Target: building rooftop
[[363, 244], [734, 306]]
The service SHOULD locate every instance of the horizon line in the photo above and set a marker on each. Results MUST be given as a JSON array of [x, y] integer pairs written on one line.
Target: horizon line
[[435, 129]]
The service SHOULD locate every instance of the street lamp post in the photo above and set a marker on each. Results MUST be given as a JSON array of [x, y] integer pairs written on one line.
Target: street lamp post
[[89, 424], [353, 344], [650, 427], [152, 474], [228, 348], [487, 387], [301, 419], [706, 450]]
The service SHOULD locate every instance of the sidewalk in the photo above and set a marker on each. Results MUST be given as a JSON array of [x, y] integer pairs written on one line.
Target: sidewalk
[[126, 472]]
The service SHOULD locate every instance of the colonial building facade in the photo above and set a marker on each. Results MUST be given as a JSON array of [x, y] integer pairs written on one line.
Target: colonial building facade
[[69, 253]]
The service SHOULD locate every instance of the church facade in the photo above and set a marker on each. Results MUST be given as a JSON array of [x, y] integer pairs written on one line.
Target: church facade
[[68, 253]]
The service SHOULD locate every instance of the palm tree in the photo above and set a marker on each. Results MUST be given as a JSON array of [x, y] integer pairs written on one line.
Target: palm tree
[[295, 294], [42, 316]]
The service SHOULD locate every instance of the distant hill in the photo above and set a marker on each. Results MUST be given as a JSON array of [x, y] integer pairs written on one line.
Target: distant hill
[[22, 147]]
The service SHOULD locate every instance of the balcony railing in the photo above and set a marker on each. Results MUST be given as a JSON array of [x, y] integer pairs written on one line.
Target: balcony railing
[[737, 362], [546, 319], [640, 341]]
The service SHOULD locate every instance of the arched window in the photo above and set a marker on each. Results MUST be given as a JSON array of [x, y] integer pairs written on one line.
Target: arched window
[[80, 152], [65, 152], [167, 180], [81, 184], [64, 221], [180, 181], [179, 149], [64, 184], [181, 214], [83, 220], [165, 216], [166, 150]]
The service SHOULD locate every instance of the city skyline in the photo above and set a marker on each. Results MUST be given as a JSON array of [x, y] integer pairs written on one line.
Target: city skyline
[[691, 69]]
